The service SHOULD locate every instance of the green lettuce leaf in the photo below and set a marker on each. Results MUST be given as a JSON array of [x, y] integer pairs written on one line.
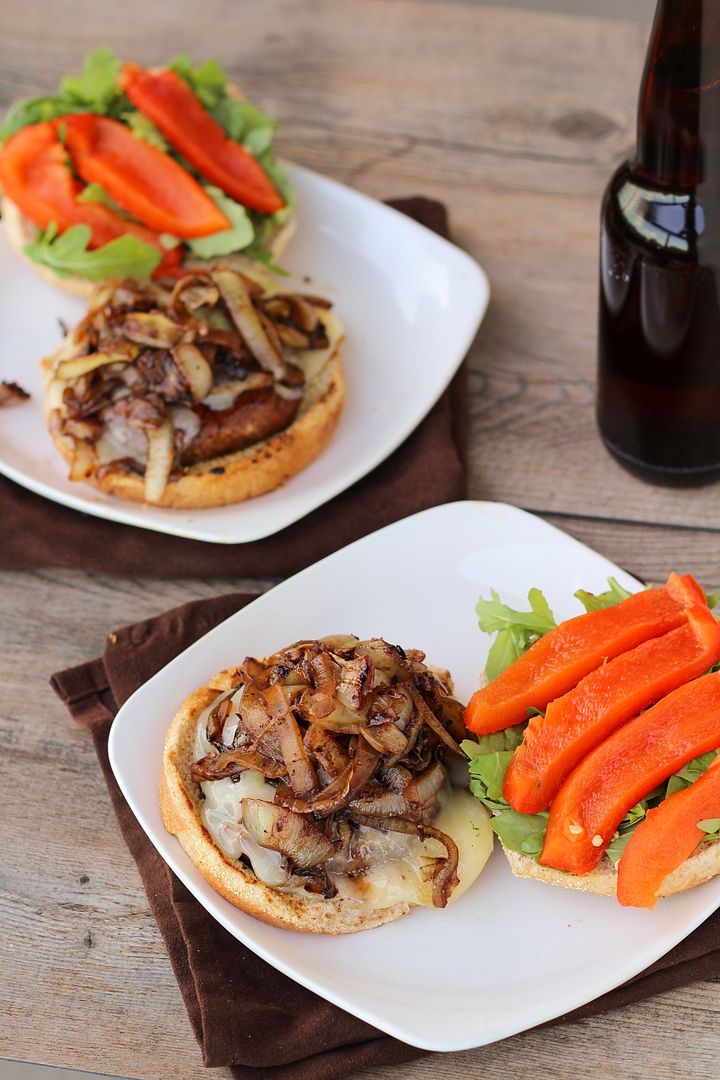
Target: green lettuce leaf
[[126, 256], [240, 234], [143, 128], [597, 601]]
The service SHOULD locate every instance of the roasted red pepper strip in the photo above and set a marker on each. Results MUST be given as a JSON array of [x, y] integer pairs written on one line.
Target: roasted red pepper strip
[[557, 662], [141, 179], [34, 174], [172, 106], [608, 697], [665, 839], [592, 802]]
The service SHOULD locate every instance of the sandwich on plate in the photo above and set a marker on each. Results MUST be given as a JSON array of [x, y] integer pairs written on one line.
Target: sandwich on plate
[[596, 740], [211, 390], [321, 788]]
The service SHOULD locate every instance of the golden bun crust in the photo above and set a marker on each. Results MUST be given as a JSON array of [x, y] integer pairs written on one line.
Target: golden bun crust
[[262, 467], [179, 807], [700, 867]]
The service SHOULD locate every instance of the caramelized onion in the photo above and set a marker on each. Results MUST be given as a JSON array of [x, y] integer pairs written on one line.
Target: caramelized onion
[[294, 836], [83, 365], [239, 304], [347, 733], [152, 328], [160, 454], [434, 724], [229, 763], [302, 775], [195, 368]]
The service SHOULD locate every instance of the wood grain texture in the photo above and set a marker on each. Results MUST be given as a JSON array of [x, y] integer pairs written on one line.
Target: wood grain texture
[[516, 120]]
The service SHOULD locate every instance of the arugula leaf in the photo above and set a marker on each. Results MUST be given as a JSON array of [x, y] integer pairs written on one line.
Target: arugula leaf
[[208, 81], [490, 770], [245, 123], [126, 256], [689, 773], [96, 193], [516, 630], [597, 601], [617, 845], [143, 128], [96, 90], [710, 826], [508, 739], [240, 234], [98, 85], [494, 615], [36, 111], [521, 832]]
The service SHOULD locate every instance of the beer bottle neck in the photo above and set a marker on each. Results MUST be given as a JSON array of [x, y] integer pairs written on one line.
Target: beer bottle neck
[[678, 139]]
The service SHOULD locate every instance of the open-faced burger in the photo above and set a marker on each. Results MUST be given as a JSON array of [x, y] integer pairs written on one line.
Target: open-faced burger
[[313, 788], [211, 391]]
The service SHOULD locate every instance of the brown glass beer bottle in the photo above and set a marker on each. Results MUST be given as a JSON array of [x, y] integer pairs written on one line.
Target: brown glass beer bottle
[[659, 330]]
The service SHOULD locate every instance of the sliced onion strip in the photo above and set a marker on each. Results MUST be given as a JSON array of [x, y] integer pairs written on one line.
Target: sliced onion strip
[[160, 454], [195, 368]]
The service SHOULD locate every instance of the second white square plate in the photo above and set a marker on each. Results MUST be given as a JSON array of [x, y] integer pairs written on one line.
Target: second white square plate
[[411, 304], [511, 953]]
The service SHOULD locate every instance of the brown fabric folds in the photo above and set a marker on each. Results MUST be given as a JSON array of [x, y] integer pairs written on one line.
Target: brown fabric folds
[[243, 1012], [427, 470]]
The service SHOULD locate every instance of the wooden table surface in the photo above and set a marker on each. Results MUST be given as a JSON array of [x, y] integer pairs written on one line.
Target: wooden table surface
[[516, 121]]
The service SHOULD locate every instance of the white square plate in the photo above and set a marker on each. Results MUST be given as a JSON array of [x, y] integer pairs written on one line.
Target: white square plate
[[411, 303], [510, 953]]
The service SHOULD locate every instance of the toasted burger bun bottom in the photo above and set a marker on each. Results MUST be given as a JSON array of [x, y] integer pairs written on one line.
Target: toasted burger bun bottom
[[180, 803], [259, 468], [702, 865], [20, 231]]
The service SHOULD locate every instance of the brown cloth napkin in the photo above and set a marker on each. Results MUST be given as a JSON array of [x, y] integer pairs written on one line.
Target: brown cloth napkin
[[244, 1013], [425, 471]]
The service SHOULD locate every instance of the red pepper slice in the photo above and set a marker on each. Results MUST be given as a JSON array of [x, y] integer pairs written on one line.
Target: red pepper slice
[[34, 174], [141, 179], [173, 107], [608, 697], [665, 839], [557, 662], [625, 768]]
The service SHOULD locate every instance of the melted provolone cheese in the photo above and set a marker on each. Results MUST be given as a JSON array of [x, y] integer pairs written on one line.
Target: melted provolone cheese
[[398, 859], [400, 878]]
